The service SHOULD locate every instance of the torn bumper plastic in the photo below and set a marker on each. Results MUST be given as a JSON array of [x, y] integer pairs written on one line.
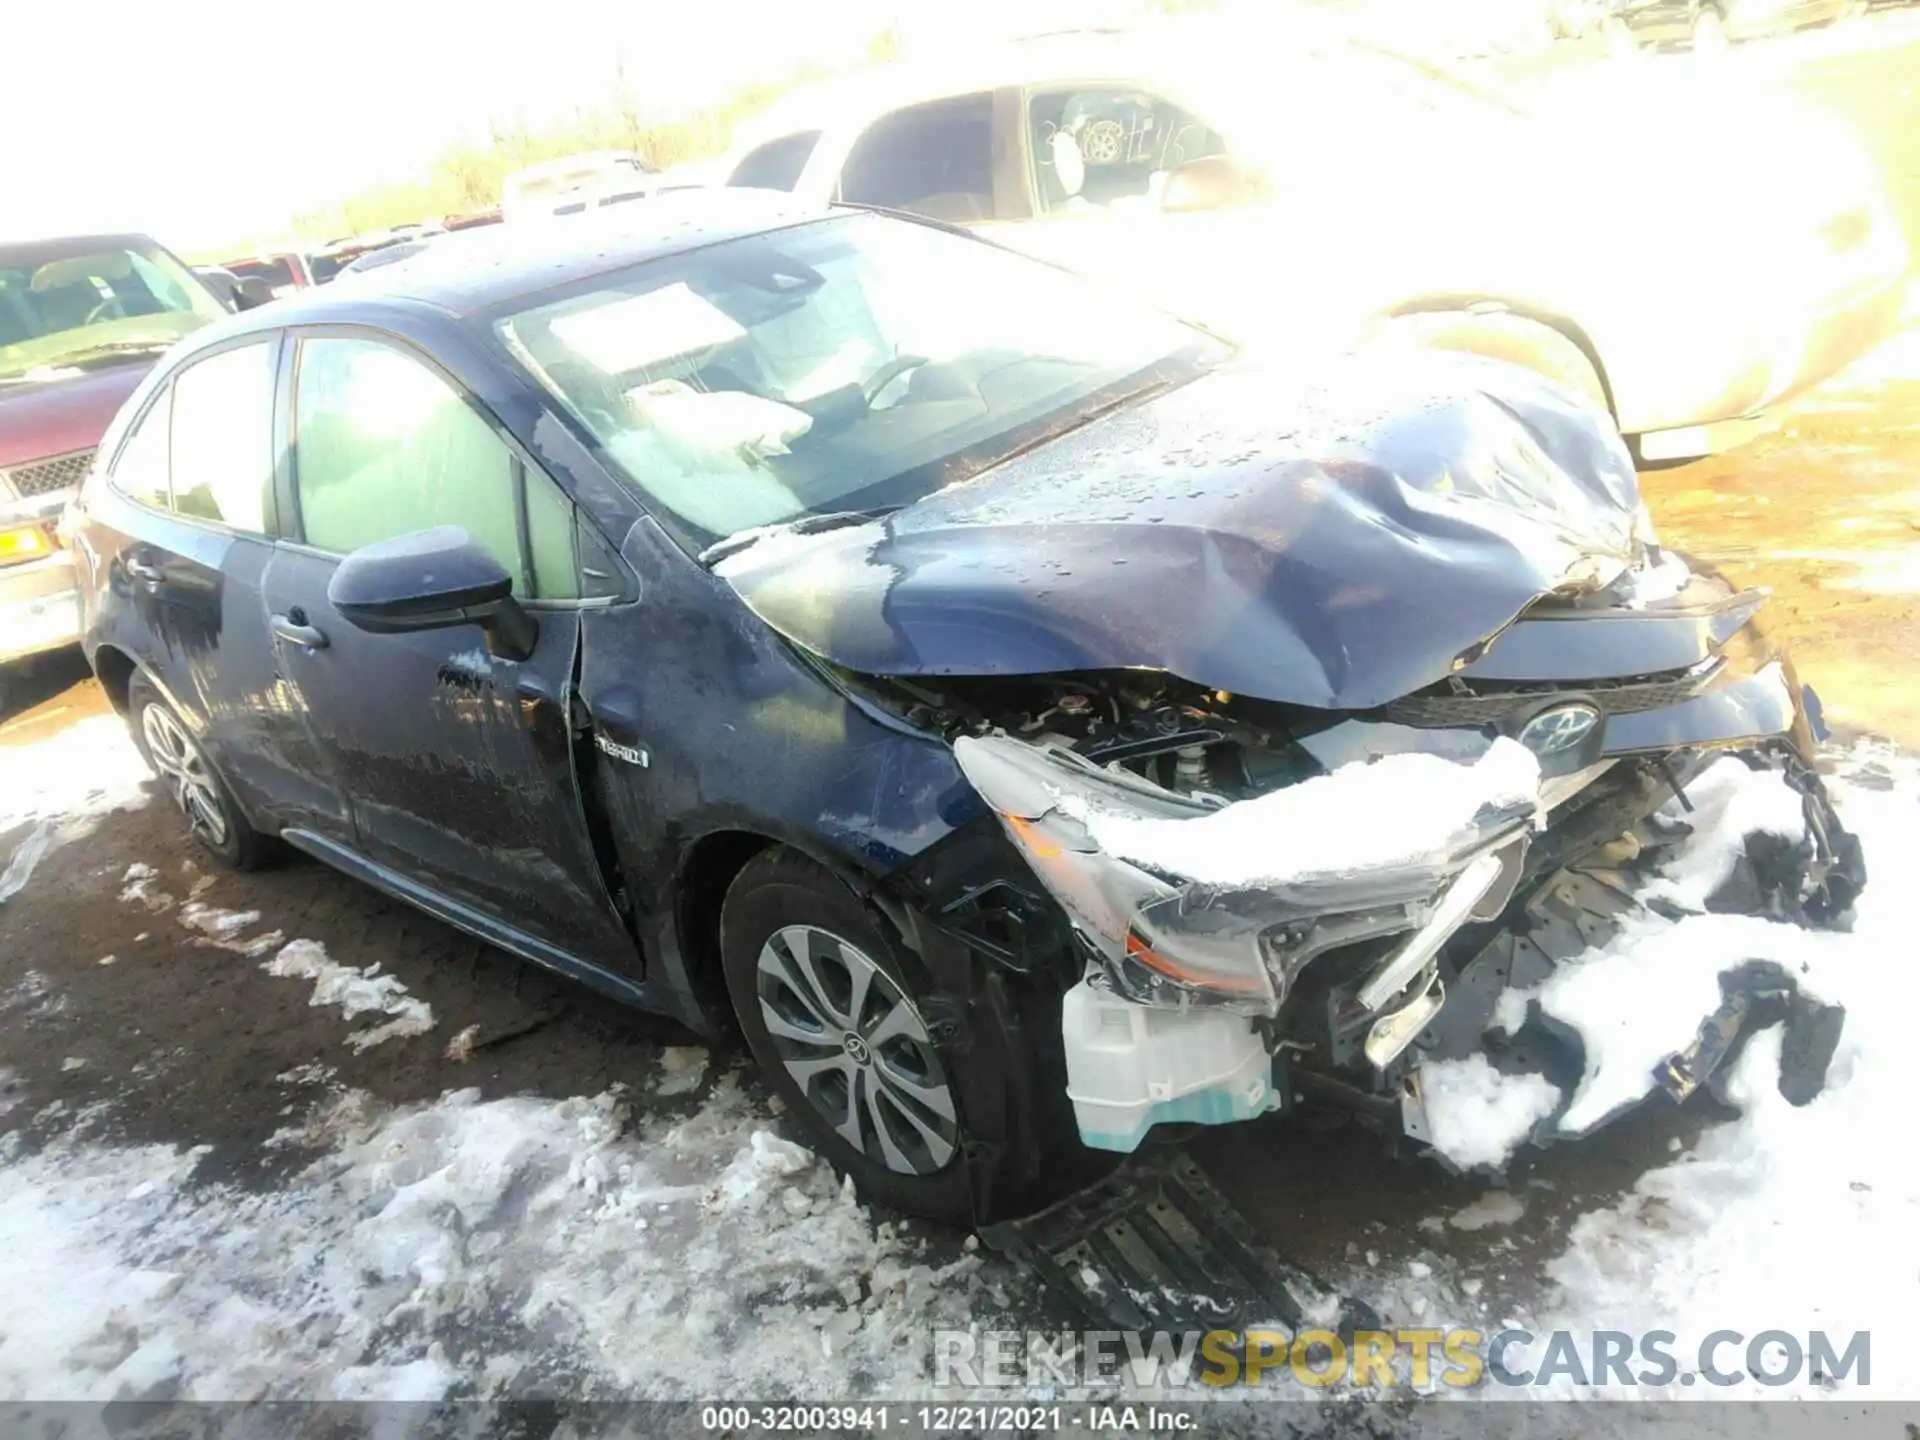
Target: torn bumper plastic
[[1171, 941], [1209, 961]]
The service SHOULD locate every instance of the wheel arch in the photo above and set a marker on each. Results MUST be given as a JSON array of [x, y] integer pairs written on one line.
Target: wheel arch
[[705, 873], [1473, 305], [114, 669]]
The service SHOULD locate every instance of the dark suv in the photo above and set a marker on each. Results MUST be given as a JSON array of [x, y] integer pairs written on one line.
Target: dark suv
[[82, 319], [848, 629]]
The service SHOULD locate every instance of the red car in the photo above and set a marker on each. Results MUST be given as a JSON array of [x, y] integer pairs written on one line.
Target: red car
[[82, 319]]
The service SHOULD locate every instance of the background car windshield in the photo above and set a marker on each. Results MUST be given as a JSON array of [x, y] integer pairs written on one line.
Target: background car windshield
[[62, 309], [854, 363], [275, 270]]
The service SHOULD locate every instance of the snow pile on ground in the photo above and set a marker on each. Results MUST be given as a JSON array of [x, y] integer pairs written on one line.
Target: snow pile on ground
[[26, 856], [1730, 802], [1330, 825], [1478, 1116], [355, 990], [467, 1248], [62, 786], [1641, 997], [1787, 1219]]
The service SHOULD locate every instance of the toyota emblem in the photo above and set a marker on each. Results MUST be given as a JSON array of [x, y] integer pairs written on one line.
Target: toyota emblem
[[1563, 728]]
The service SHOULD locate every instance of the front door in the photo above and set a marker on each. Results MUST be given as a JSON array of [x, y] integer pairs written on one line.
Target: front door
[[458, 766]]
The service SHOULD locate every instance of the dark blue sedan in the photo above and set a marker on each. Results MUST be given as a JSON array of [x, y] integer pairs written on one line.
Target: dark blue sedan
[[803, 620]]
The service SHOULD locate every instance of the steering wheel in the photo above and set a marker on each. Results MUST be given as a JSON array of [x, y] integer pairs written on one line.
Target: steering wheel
[[99, 312], [891, 371]]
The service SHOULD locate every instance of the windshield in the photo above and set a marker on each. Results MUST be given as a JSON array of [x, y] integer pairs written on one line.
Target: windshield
[[276, 270], [856, 363], [61, 311]]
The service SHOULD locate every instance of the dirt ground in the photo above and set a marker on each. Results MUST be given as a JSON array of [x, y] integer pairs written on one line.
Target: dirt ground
[[181, 1041]]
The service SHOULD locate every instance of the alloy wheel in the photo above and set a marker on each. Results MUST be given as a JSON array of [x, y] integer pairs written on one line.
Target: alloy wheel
[[186, 773], [858, 1049]]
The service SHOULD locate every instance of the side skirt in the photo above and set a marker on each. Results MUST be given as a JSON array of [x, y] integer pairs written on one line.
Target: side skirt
[[659, 999]]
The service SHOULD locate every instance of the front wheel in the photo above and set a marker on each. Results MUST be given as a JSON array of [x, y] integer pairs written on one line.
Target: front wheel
[[169, 748], [834, 1006]]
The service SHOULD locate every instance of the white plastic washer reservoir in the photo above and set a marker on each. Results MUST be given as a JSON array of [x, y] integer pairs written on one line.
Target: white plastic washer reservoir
[[1131, 1067]]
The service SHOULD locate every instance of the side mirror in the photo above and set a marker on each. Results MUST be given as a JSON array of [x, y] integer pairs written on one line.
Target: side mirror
[[432, 580], [250, 292]]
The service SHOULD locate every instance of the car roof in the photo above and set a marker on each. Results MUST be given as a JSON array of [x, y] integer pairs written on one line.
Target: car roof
[[61, 246], [467, 271], [1167, 48]]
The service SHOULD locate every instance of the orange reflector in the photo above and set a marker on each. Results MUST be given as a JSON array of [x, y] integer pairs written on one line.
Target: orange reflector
[[1042, 848], [1138, 949]]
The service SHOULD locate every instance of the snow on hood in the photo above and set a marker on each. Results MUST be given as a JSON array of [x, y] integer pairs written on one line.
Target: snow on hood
[[1329, 826], [1335, 546]]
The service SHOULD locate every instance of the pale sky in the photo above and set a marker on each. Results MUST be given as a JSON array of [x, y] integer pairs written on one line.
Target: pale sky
[[200, 124]]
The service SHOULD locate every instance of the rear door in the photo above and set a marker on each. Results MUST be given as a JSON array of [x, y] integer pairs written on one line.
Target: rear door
[[458, 766], [199, 461]]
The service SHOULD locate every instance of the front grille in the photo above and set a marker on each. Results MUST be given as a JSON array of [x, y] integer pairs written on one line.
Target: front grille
[[43, 477], [1615, 697]]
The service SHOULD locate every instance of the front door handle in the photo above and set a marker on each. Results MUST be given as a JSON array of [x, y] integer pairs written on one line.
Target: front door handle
[[143, 571], [288, 628]]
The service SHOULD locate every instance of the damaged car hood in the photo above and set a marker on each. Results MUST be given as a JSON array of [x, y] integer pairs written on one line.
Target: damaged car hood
[[1335, 544]]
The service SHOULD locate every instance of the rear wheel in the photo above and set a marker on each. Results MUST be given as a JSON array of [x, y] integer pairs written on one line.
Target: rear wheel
[[835, 1008], [167, 745]]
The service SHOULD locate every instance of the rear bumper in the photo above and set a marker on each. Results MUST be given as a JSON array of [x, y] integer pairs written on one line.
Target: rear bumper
[[39, 607]]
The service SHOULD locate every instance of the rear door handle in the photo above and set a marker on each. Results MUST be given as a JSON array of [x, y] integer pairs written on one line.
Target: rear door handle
[[287, 628]]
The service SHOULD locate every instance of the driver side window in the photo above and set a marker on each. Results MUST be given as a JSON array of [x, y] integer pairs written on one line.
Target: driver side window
[[1110, 147], [384, 446]]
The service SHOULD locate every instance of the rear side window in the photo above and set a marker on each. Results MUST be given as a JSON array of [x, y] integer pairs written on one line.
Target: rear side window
[[384, 446], [140, 469], [223, 437], [777, 164], [934, 160]]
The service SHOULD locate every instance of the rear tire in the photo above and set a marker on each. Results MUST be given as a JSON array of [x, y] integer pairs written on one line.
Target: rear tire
[[831, 1000], [170, 750]]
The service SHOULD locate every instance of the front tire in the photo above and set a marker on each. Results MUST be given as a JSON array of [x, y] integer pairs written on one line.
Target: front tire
[[175, 757], [832, 1004]]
